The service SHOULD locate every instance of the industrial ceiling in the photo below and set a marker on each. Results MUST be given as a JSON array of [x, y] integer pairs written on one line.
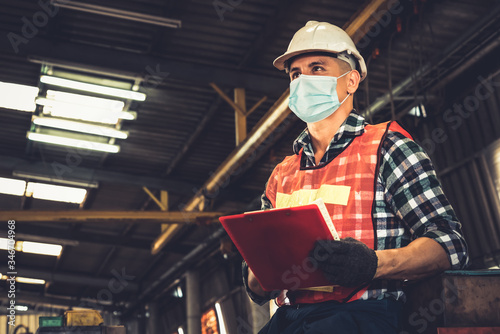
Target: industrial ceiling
[[150, 210]]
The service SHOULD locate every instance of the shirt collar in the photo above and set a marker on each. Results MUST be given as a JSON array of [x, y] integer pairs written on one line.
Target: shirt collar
[[353, 126]]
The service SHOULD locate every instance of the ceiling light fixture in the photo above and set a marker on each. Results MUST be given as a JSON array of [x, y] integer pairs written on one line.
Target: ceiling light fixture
[[18, 97], [85, 100], [70, 142], [89, 114], [92, 88], [12, 186], [220, 317], [32, 247], [118, 13], [40, 248], [56, 193], [26, 280], [69, 182], [98, 130]]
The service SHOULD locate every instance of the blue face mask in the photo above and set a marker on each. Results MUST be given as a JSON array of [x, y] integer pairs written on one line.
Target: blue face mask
[[314, 97]]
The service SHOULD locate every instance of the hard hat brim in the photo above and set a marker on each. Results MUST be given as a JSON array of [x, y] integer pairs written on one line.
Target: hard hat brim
[[279, 62]]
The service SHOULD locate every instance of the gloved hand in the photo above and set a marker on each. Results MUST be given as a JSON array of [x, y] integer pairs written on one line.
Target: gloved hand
[[347, 262]]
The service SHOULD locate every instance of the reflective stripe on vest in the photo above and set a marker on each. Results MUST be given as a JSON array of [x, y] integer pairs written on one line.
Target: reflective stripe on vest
[[347, 186]]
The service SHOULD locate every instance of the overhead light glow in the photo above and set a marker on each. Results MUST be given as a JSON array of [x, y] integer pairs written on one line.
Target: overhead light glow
[[85, 100], [32, 247], [4, 243], [40, 248], [92, 129], [180, 330], [84, 113], [21, 308], [220, 318], [56, 193], [97, 89], [18, 97], [82, 144], [418, 111], [12, 186], [26, 280]]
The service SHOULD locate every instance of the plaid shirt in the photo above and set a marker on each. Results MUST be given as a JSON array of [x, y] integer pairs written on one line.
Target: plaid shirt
[[409, 201]]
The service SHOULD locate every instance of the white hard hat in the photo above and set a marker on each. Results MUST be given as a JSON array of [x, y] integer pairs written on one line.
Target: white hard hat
[[322, 37]]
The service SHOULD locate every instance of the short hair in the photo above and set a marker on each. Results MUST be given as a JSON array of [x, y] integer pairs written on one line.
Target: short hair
[[343, 65]]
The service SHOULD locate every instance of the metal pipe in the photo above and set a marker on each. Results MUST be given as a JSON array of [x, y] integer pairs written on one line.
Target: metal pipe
[[118, 13]]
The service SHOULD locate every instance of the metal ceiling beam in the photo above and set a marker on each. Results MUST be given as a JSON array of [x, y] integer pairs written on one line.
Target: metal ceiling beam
[[87, 175], [38, 233], [107, 60], [271, 120], [78, 279], [71, 216]]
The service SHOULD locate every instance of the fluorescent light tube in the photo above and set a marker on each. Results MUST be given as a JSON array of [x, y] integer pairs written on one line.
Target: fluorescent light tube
[[87, 87], [85, 100], [26, 280], [92, 129], [33, 247], [12, 186], [40, 248], [220, 317], [63, 141], [55, 193], [84, 113], [18, 97]]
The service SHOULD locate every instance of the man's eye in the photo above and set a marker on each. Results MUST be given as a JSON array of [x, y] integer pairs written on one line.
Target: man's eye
[[295, 75], [317, 68]]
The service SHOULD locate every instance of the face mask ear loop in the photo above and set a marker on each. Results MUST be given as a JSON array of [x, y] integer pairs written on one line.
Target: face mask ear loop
[[348, 94]]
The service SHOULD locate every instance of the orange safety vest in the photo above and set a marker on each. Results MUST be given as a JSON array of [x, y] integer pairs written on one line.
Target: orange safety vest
[[347, 185]]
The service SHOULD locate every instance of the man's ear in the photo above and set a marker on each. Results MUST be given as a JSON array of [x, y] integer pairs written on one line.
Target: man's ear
[[353, 80]]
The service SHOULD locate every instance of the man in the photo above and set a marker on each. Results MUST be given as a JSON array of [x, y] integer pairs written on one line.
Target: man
[[397, 224]]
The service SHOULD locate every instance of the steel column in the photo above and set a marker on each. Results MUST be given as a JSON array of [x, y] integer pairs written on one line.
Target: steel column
[[193, 305]]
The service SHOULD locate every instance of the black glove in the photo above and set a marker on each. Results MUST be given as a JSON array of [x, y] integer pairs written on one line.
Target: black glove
[[347, 262]]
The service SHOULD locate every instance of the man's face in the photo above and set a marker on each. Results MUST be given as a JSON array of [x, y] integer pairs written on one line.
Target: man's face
[[319, 65], [314, 65]]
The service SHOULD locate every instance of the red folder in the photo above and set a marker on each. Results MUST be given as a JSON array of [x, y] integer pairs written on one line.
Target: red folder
[[276, 244]]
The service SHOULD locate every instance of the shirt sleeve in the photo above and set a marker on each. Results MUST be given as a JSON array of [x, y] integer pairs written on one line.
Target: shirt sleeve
[[414, 193], [253, 296]]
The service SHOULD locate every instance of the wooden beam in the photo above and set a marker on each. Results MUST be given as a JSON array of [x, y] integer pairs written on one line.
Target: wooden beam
[[226, 98], [360, 24], [156, 200], [240, 115], [165, 217], [256, 105]]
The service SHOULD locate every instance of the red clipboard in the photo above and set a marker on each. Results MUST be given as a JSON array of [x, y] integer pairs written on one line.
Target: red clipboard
[[276, 245]]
